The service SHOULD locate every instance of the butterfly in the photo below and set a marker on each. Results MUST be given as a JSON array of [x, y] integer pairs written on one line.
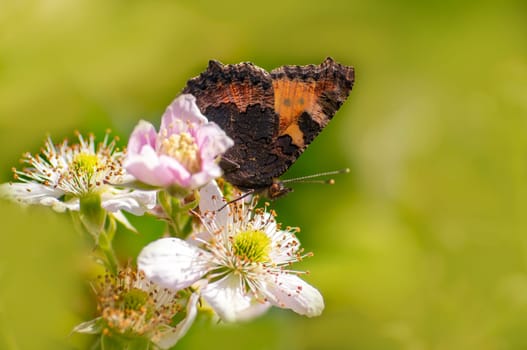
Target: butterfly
[[271, 116]]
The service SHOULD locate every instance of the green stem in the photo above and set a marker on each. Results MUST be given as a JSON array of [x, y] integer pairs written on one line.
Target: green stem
[[105, 245], [176, 210], [166, 202], [176, 225]]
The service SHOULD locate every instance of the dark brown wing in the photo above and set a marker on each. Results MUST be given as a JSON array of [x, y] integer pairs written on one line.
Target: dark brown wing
[[239, 98]]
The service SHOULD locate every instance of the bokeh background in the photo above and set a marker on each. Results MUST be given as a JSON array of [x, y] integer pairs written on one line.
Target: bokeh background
[[422, 246]]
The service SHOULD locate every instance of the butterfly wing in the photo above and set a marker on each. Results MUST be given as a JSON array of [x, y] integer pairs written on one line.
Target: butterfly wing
[[307, 97], [239, 98]]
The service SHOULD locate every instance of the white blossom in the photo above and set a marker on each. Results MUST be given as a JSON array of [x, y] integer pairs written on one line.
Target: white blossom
[[243, 254], [63, 174]]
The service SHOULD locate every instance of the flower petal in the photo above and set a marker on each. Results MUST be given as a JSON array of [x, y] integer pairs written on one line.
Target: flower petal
[[37, 194], [209, 171], [267, 223], [29, 193], [135, 202], [211, 200], [148, 164], [173, 263], [150, 168], [180, 175], [212, 141], [60, 207], [228, 299], [291, 292], [170, 336], [255, 310], [285, 246], [144, 134], [183, 108]]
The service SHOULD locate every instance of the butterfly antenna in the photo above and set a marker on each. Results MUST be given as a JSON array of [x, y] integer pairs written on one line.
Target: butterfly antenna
[[236, 199], [310, 178]]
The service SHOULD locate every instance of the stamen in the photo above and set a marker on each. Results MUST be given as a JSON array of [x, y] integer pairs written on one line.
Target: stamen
[[182, 147], [85, 164], [253, 246], [129, 304], [77, 170]]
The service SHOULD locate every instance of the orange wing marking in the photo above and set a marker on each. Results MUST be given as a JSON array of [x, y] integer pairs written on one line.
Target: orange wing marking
[[291, 99]]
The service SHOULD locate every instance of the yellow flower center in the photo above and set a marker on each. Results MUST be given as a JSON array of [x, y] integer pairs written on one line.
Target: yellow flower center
[[134, 299], [252, 245], [184, 149], [85, 164]]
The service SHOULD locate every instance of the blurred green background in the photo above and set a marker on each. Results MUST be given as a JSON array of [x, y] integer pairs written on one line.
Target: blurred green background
[[422, 246]]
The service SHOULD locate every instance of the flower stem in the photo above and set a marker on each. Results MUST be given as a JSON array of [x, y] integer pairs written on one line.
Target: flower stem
[[175, 227], [105, 245]]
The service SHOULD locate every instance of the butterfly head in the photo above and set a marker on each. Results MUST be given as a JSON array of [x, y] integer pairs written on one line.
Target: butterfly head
[[276, 190]]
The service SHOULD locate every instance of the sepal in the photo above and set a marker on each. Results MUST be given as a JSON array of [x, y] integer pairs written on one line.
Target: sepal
[[94, 326]]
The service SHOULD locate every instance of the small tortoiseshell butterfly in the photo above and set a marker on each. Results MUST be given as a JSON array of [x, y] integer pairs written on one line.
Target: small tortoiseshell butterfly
[[271, 116]]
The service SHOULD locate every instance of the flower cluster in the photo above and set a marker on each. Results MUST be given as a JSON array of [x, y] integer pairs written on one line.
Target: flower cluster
[[229, 257]]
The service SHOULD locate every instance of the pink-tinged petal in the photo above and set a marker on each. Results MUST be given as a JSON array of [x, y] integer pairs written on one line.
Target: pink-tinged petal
[[212, 141], [212, 169], [183, 108], [180, 175], [147, 167], [157, 170], [199, 179], [291, 292], [208, 173], [151, 166], [226, 296], [135, 202], [144, 134], [169, 337], [173, 263]]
